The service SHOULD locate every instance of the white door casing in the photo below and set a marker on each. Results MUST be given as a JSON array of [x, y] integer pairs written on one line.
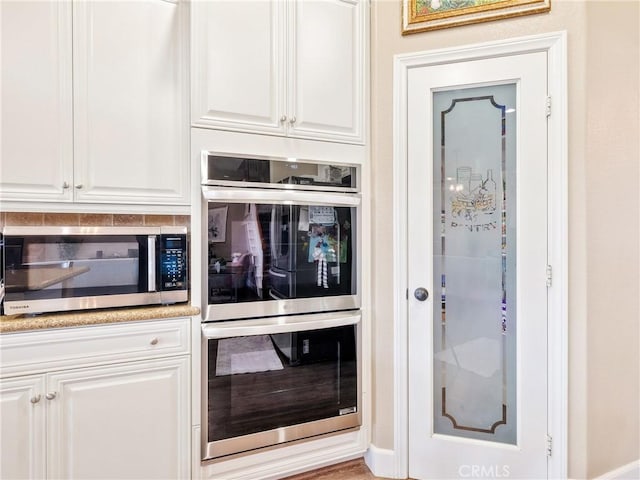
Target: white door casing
[[556, 204]]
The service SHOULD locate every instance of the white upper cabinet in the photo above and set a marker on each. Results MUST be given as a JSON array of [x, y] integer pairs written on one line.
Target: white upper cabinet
[[131, 125], [294, 67], [238, 68], [118, 132], [36, 134]]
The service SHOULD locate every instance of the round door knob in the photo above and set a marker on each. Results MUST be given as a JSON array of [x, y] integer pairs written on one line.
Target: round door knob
[[79, 186], [51, 396], [292, 120], [65, 185], [35, 399], [154, 341], [421, 294]]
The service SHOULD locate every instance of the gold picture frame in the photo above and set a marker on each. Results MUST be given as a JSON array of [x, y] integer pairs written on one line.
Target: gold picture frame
[[424, 15]]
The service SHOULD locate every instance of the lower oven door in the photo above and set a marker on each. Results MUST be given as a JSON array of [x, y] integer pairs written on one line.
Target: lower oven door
[[276, 380]]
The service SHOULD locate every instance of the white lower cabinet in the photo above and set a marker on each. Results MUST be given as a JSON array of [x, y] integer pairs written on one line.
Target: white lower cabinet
[[22, 428], [120, 420]]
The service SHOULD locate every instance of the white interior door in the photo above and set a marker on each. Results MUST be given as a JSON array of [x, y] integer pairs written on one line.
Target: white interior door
[[477, 245]]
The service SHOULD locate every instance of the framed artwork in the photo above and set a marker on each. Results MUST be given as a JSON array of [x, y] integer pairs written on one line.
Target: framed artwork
[[217, 224], [424, 15]]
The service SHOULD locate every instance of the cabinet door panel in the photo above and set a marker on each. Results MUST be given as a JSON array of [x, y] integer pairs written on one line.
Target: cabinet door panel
[[22, 429], [130, 120], [35, 101], [122, 421], [327, 60], [238, 69]]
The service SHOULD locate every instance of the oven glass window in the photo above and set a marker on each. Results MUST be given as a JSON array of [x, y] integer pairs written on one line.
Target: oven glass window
[[260, 252], [263, 382]]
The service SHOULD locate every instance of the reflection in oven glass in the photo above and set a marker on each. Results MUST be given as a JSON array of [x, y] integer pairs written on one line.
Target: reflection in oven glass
[[262, 382], [260, 252]]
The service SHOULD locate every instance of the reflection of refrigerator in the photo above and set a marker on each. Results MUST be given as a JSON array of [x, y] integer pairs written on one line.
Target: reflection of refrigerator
[[290, 268], [294, 233]]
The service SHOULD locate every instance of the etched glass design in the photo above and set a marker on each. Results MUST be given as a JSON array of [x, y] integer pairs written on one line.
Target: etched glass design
[[474, 245]]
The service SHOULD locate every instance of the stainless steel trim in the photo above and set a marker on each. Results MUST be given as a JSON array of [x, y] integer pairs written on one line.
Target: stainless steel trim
[[230, 446], [280, 197], [174, 296], [282, 186], [76, 230], [268, 308], [291, 323], [12, 307], [204, 171], [151, 263]]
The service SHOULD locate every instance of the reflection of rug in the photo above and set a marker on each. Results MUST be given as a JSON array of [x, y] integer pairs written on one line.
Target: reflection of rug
[[246, 355], [481, 356]]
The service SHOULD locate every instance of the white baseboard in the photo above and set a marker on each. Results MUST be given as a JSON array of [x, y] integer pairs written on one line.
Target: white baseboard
[[381, 462], [631, 471]]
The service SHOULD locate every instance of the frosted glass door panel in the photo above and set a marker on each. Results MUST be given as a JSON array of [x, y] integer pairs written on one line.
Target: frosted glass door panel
[[474, 245]]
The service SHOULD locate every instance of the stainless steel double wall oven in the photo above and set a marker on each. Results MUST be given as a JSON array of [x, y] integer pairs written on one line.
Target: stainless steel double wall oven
[[281, 320]]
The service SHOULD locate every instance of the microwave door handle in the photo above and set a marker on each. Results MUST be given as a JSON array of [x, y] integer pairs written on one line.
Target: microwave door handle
[[151, 263]]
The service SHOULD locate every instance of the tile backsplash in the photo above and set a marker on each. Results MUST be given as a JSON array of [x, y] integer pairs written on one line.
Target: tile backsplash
[[89, 219]]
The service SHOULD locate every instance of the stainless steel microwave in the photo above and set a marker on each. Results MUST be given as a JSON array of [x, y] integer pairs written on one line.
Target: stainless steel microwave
[[50, 269]]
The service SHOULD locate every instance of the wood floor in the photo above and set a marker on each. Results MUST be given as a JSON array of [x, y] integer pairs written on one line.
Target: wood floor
[[351, 470]]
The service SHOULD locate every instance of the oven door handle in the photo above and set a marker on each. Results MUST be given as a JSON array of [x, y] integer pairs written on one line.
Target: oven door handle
[[280, 197], [286, 324]]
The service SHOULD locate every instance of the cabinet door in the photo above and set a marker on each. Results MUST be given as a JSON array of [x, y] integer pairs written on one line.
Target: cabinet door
[[22, 428], [35, 101], [131, 102], [238, 65], [327, 60], [120, 421]]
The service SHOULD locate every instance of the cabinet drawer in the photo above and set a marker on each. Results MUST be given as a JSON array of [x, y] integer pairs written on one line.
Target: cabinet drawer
[[31, 352]]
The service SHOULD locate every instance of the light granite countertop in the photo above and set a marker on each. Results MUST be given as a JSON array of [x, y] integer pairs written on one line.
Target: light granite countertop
[[20, 323]]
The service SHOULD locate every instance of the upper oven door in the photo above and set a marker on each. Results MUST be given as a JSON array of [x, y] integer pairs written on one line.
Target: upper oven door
[[275, 252]]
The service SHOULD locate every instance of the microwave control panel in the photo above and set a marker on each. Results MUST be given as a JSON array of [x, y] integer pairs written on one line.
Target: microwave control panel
[[173, 261]]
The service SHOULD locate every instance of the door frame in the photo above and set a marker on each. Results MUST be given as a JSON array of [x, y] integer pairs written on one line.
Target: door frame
[[555, 44]]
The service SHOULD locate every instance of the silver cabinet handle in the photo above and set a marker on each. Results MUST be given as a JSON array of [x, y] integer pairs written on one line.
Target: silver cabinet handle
[[65, 185], [36, 399], [292, 120], [154, 341], [283, 118], [79, 186], [51, 396]]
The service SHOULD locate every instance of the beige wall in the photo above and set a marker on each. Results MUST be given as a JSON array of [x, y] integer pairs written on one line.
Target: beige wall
[[603, 216]]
